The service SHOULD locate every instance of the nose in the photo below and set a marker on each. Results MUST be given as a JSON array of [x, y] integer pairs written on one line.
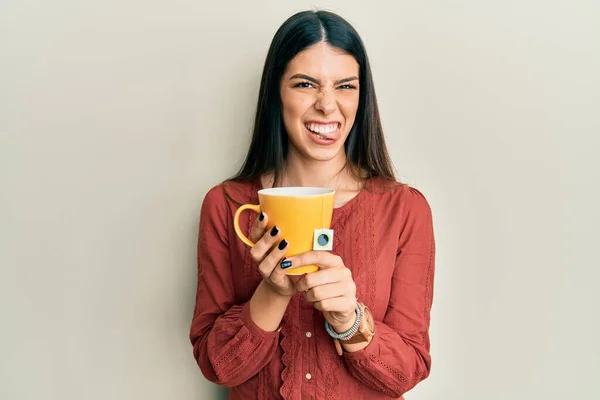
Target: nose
[[326, 102]]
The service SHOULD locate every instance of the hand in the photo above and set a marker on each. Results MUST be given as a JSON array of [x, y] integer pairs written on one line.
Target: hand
[[331, 289], [267, 253]]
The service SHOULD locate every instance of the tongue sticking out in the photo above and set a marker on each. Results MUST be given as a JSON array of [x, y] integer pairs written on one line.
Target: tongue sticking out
[[322, 131]]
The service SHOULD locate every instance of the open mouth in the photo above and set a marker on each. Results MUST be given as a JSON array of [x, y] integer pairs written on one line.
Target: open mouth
[[323, 131]]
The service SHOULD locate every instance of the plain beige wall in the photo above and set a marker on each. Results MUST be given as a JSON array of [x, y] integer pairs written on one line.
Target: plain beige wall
[[116, 117]]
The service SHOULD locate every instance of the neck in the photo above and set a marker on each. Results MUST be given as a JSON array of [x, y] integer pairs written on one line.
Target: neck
[[302, 172]]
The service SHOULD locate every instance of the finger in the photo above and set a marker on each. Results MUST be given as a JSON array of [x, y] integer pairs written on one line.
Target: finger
[[271, 261], [278, 274], [323, 259], [328, 291], [264, 245], [336, 304], [323, 277], [259, 226]]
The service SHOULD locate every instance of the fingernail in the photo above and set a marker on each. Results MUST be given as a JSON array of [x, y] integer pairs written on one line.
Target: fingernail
[[274, 231], [286, 264], [282, 244], [261, 216]]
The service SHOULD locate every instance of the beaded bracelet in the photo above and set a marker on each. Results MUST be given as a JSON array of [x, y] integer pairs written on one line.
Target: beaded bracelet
[[350, 332]]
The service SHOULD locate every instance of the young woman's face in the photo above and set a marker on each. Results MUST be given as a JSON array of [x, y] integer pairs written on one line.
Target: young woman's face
[[319, 91]]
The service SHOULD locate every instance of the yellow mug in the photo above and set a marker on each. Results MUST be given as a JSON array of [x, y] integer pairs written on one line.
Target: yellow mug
[[300, 212]]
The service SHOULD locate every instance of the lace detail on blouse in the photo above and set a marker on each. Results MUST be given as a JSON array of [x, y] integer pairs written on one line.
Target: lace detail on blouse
[[290, 348], [385, 238]]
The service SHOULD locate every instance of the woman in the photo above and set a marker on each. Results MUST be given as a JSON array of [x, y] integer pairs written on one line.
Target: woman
[[357, 328]]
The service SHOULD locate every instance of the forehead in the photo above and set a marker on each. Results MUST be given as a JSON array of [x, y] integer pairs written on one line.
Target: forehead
[[323, 61]]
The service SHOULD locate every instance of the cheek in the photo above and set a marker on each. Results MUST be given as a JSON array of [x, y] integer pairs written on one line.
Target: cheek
[[299, 105], [349, 106], [294, 107]]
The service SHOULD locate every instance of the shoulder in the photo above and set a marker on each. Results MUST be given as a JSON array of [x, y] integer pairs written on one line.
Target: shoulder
[[227, 193], [387, 189], [400, 199]]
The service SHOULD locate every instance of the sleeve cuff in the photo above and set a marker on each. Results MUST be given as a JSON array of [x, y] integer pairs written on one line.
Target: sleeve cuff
[[255, 329]]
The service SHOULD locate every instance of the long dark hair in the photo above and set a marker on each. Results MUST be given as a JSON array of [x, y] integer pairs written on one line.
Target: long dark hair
[[365, 147]]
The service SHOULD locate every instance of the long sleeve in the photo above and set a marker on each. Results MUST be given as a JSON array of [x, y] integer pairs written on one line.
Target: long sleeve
[[398, 356], [228, 346]]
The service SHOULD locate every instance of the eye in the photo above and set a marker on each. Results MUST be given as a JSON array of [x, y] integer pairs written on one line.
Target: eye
[[306, 85], [347, 87]]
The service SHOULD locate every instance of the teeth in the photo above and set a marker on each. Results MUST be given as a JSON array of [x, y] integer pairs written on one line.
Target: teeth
[[322, 128]]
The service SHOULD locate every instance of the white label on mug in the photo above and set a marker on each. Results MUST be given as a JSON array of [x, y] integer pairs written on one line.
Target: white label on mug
[[323, 239]]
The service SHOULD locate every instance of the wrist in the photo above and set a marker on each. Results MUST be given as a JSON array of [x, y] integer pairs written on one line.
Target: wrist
[[358, 336], [273, 293], [341, 327], [267, 307]]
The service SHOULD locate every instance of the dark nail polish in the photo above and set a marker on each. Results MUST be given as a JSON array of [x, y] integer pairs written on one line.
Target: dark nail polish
[[274, 231], [261, 216], [282, 245], [286, 264]]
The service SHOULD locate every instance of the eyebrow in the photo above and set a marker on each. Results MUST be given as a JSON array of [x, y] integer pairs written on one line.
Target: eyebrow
[[311, 79]]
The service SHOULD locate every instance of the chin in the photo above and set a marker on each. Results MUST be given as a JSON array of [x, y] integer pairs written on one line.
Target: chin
[[322, 154]]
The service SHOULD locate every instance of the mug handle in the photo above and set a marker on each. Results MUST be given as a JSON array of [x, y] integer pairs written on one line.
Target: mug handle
[[236, 221]]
